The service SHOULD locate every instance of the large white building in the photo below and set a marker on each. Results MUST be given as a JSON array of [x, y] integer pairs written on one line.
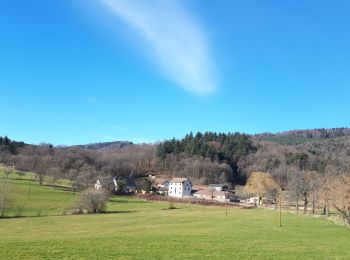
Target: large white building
[[180, 187]]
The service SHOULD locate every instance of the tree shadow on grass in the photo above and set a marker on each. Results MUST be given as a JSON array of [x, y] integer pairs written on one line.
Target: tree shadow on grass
[[62, 188], [119, 211], [170, 208], [54, 187], [126, 201]]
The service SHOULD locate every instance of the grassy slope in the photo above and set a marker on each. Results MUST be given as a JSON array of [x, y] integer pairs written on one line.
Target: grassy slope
[[43, 200], [144, 230]]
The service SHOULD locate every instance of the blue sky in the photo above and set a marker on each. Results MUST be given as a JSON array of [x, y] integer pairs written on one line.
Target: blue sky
[[74, 72]]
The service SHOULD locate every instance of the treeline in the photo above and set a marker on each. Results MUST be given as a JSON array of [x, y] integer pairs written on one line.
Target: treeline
[[9, 146], [203, 157], [295, 137], [216, 146], [82, 166], [215, 154], [212, 157], [311, 190]]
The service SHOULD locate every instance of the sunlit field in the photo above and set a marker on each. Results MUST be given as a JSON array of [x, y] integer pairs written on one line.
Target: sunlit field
[[136, 229]]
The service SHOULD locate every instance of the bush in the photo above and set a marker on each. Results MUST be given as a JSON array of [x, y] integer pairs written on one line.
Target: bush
[[171, 205], [92, 201]]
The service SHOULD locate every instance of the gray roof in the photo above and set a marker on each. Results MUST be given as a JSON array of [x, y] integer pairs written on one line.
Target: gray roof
[[179, 180]]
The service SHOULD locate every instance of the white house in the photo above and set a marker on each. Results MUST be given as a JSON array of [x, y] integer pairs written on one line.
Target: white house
[[180, 187], [98, 185], [253, 200]]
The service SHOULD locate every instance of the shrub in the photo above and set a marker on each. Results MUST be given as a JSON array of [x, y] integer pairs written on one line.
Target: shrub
[[92, 201], [171, 205]]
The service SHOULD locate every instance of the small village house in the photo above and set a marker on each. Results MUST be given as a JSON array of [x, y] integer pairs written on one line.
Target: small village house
[[164, 184], [123, 184], [180, 187], [98, 185]]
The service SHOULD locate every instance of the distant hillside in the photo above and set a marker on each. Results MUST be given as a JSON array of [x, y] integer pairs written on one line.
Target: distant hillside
[[203, 157], [296, 137], [105, 145]]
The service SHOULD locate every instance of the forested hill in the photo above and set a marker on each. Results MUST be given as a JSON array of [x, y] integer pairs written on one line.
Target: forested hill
[[295, 137], [212, 157], [204, 157]]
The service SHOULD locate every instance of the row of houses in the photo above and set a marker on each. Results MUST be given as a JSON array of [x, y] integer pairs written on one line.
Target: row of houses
[[181, 188], [125, 184]]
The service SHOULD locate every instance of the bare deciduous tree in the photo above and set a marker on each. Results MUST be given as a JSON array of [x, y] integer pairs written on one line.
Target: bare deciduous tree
[[304, 186], [340, 195], [92, 201], [20, 174], [259, 183], [5, 197]]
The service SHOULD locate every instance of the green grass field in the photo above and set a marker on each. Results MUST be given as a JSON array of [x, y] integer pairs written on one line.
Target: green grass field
[[38, 200], [136, 229]]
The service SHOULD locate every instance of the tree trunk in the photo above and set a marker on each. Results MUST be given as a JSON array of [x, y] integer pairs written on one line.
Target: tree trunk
[[53, 182], [41, 177], [327, 210], [297, 206], [305, 206], [313, 207]]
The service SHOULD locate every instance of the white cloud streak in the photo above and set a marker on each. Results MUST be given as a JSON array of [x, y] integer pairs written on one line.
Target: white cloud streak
[[93, 100], [176, 41]]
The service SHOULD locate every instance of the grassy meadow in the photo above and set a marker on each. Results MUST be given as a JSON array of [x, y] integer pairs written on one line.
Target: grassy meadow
[[137, 229], [37, 200]]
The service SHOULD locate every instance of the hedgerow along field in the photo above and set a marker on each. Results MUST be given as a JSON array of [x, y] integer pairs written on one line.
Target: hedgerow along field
[[136, 229]]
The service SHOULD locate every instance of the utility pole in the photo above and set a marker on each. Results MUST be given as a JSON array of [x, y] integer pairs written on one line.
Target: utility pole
[[30, 186], [226, 195]]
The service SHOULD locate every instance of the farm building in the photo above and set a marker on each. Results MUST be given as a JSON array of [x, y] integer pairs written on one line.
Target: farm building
[[217, 187], [127, 184], [122, 184], [162, 183], [222, 196]]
